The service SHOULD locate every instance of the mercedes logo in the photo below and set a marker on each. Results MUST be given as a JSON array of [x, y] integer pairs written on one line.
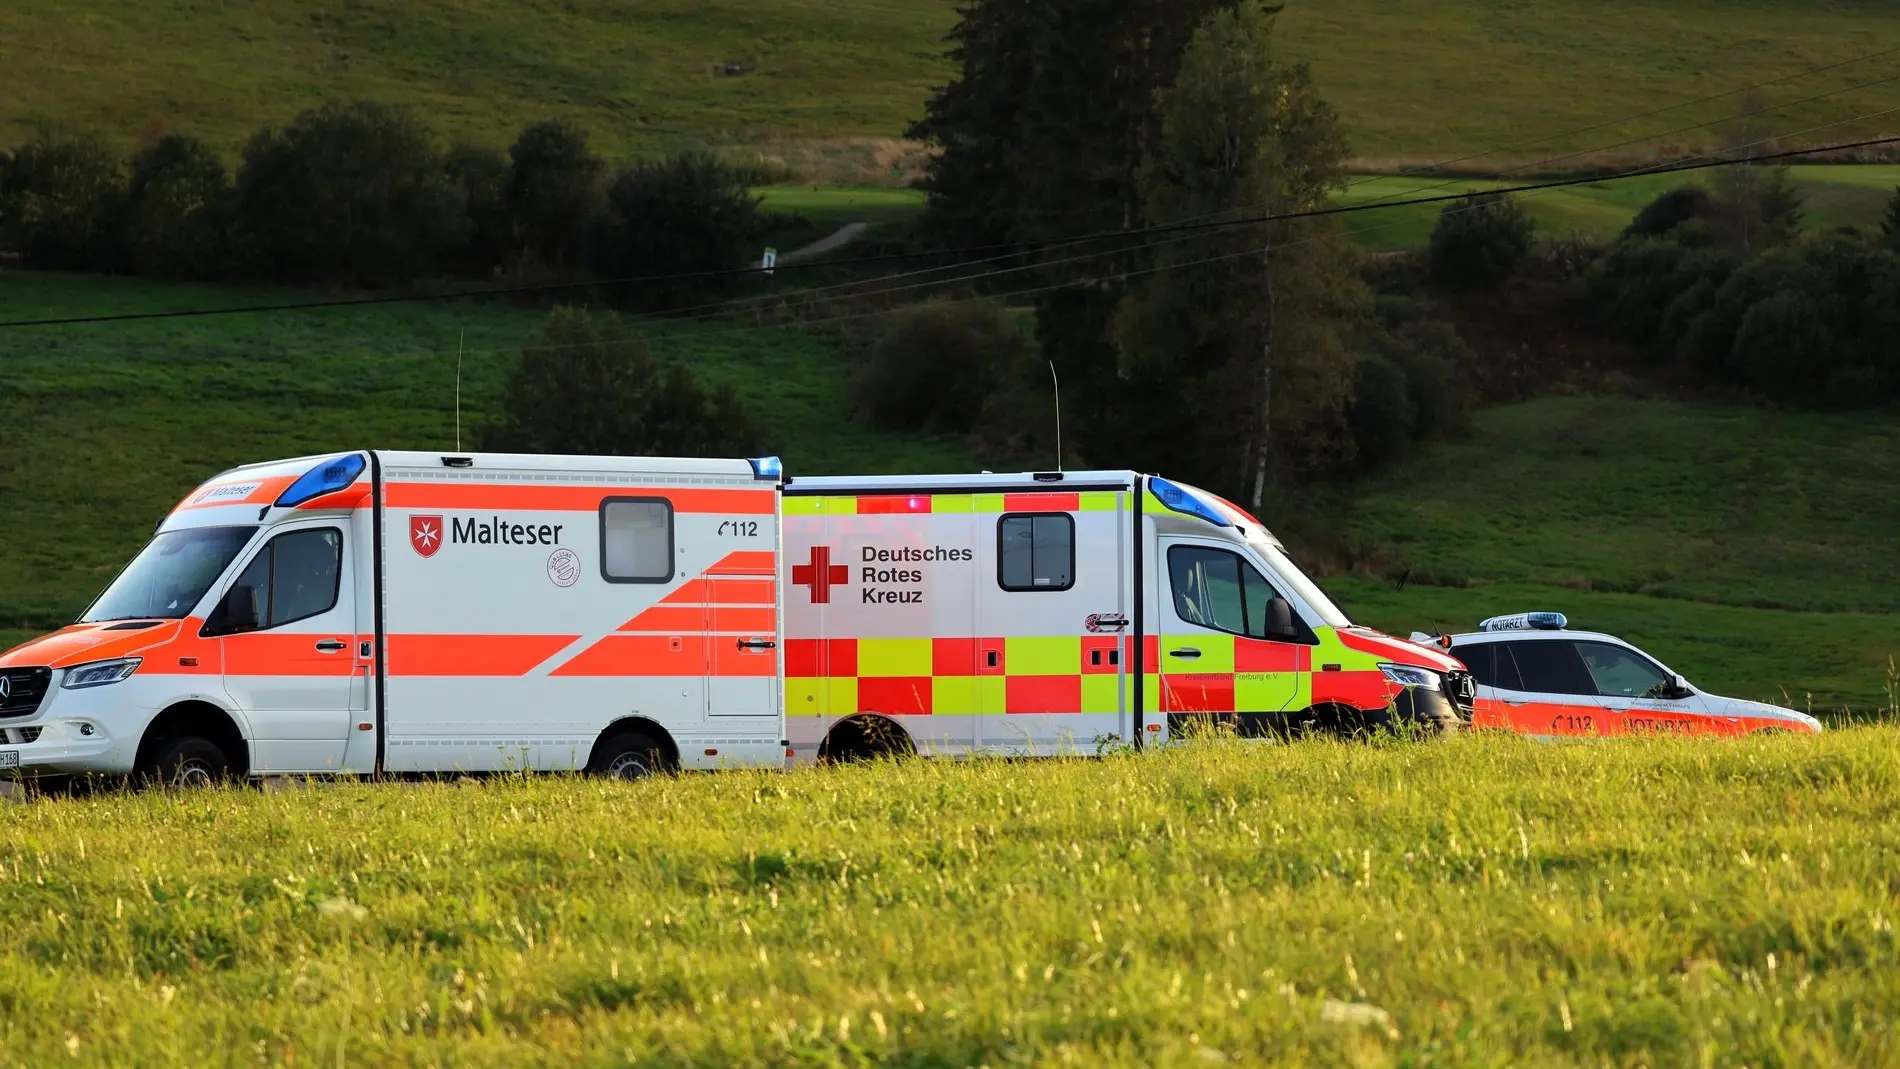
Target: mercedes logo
[[6, 688]]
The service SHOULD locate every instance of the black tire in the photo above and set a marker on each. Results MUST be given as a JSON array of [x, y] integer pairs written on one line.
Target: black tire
[[187, 761], [628, 755]]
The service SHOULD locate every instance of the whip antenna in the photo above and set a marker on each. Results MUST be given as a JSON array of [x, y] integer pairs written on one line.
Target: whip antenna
[[1058, 385], [458, 388]]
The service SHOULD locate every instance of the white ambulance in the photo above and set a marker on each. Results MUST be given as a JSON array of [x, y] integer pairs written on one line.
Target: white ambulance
[[1052, 612], [415, 612]]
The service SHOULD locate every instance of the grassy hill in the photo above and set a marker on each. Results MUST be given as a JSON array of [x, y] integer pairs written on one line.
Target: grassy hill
[[1478, 902], [1414, 81], [1755, 551]]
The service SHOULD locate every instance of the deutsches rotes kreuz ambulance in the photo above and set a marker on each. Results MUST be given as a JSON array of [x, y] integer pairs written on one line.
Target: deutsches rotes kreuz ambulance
[[399, 612], [1048, 612]]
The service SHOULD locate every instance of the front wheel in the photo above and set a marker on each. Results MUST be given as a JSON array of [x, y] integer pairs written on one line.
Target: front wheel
[[187, 761]]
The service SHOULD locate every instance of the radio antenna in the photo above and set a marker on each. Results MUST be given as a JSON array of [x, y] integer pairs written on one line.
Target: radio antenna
[[1058, 385], [458, 388]]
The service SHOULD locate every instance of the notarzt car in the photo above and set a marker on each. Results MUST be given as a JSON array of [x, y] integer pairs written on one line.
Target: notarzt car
[[1536, 678]]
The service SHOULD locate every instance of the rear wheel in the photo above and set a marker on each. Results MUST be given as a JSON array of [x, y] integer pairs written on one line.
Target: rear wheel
[[628, 755], [185, 762]]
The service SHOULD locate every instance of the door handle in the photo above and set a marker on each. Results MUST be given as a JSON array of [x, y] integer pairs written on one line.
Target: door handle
[[1509, 701], [330, 645], [757, 644], [1185, 651]]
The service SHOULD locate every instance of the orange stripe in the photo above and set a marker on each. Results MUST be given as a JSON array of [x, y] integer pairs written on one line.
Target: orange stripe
[[640, 655], [520, 498], [471, 655], [1042, 502], [722, 592], [893, 504], [691, 619], [747, 562], [271, 653], [350, 497], [218, 495]]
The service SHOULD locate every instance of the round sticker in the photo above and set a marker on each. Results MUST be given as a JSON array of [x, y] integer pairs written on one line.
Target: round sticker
[[564, 567]]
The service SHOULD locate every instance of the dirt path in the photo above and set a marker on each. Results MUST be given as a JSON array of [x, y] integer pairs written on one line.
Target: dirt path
[[845, 235]]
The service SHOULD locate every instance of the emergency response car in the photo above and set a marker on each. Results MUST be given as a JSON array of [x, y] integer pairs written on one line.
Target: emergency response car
[[1537, 678], [1047, 612], [414, 612], [385, 611]]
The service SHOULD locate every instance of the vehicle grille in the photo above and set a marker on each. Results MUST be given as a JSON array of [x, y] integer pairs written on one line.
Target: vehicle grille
[[26, 688], [1461, 691], [21, 736]]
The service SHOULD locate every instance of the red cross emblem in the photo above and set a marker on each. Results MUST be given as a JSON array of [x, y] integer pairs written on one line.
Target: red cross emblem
[[820, 575]]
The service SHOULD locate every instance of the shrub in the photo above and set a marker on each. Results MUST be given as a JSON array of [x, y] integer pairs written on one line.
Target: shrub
[[937, 364], [1479, 241], [1669, 211], [586, 384], [552, 188], [1787, 344], [180, 211], [480, 176], [685, 215], [62, 204], [1381, 414], [352, 192], [1890, 224]]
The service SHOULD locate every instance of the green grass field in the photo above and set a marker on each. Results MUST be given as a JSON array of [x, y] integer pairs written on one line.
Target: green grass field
[[1476, 902], [1415, 82], [103, 429]]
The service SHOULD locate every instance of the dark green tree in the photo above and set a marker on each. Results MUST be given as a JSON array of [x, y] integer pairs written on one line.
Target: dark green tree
[[1479, 241], [62, 202], [349, 193], [552, 189], [181, 211], [1043, 132], [1242, 330], [937, 364], [479, 177], [1890, 224], [587, 385], [688, 215]]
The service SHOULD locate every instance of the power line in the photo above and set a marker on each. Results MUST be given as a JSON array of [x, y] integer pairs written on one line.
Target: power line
[[1186, 227]]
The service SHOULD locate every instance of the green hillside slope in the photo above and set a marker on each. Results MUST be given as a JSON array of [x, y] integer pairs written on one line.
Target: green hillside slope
[[1414, 81]]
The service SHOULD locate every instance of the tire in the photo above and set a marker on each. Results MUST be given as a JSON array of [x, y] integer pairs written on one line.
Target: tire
[[185, 762], [628, 755]]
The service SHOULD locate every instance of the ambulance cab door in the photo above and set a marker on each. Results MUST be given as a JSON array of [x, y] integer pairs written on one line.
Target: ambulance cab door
[[1218, 655], [364, 730], [288, 627]]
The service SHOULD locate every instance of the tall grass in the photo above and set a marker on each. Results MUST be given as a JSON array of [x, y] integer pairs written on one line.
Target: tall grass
[[1481, 901]]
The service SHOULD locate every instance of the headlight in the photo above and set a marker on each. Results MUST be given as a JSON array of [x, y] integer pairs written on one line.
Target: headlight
[[100, 673], [1406, 675]]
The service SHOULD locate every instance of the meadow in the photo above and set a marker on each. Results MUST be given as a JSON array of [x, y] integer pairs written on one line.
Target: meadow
[[1475, 902], [826, 85]]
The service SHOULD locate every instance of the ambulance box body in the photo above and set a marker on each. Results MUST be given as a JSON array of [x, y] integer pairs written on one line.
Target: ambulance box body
[[1045, 613], [412, 612]]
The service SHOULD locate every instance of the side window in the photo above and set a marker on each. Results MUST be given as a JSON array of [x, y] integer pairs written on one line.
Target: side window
[[1035, 551], [1622, 673], [1482, 659], [1218, 589], [295, 576], [1550, 667], [636, 540]]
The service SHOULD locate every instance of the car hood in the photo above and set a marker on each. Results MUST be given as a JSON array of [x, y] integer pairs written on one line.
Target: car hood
[[82, 643], [1398, 651], [1718, 705]]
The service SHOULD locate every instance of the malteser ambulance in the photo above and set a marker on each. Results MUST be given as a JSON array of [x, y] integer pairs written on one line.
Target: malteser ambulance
[[386, 611], [1052, 612]]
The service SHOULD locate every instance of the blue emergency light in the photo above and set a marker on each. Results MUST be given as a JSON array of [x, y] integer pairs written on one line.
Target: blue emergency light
[[767, 468], [1526, 621], [1187, 502], [326, 478]]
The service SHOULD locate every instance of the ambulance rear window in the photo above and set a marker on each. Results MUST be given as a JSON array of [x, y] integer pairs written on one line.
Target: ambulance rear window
[[636, 540], [1035, 551]]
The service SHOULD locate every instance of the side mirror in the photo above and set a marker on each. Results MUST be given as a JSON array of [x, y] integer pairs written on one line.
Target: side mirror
[[238, 611], [1280, 621], [1679, 687]]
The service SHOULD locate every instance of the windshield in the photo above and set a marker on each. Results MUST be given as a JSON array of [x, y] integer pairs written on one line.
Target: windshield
[[170, 575], [1330, 614]]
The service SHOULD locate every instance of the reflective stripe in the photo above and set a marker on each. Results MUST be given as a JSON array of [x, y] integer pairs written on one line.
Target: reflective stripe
[[507, 497], [1043, 656], [471, 655], [1100, 500], [886, 657]]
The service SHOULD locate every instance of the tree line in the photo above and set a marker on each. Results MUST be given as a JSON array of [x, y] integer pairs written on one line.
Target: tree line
[[366, 194]]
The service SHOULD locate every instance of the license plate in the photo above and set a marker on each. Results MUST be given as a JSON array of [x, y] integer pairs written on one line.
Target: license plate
[[9, 759]]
